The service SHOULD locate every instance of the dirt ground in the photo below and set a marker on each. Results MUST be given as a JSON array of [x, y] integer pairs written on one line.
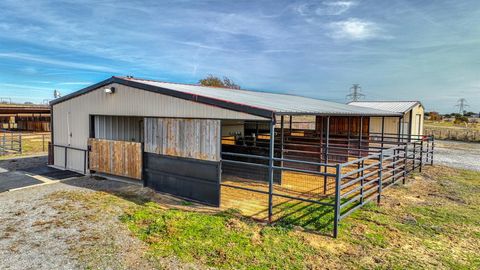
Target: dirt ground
[[59, 227], [461, 155], [40, 230]]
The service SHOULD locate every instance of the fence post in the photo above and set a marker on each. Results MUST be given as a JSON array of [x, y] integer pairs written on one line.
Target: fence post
[[270, 171], [405, 164], [336, 218], [362, 182], [394, 166], [433, 147], [421, 155], [380, 169], [3, 143], [414, 155], [427, 158]]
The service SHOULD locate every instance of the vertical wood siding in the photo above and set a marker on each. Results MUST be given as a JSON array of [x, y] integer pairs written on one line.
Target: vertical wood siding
[[116, 158], [189, 138]]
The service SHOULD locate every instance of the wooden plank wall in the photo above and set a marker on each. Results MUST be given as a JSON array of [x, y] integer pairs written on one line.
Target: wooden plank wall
[[116, 157], [339, 125], [189, 138], [38, 126]]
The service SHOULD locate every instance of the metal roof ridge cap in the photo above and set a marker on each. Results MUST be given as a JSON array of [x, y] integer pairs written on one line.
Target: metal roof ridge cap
[[198, 98]]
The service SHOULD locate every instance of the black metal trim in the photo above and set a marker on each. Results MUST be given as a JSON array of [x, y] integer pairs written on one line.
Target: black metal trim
[[173, 93], [200, 99]]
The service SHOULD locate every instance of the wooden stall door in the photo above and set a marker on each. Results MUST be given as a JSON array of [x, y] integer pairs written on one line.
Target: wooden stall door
[[116, 157]]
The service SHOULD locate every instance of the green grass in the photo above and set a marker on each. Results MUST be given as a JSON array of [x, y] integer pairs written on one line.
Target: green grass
[[309, 216], [432, 222], [32, 144], [221, 240]]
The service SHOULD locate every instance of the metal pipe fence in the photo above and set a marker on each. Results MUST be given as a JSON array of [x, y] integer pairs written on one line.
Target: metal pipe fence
[[10, 142], [329, 191], [14, 142]]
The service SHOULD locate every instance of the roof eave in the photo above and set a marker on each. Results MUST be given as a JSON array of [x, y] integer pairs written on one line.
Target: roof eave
[[164, 91], [387, 114]]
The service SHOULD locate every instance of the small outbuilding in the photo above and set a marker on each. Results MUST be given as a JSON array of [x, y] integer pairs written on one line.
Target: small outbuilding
[[408, 125]]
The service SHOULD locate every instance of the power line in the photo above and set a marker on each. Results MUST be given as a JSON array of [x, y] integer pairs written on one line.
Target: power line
[[355, 94], [462, 105]]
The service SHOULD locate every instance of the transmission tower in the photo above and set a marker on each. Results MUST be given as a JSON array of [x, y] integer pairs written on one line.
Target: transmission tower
[[355, 94], [462, 105]]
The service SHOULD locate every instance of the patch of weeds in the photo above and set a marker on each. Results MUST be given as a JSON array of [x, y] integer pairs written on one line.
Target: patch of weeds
[[471, 262], [376, 239], [434, 220], [132, 197], [220, 240], [186, 203]]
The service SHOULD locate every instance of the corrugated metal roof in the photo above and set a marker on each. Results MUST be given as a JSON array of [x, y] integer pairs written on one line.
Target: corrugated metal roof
[[253, 102], [278, 103], [391, 106]]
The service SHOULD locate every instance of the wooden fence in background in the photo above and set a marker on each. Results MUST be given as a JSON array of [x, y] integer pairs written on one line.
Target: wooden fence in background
[[455, 134]]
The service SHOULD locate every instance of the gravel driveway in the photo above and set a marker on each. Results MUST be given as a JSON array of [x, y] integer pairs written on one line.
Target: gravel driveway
[[457, 154], [51, 227], [36, 233]]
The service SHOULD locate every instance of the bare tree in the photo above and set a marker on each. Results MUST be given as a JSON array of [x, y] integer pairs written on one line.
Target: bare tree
[[214, 81]]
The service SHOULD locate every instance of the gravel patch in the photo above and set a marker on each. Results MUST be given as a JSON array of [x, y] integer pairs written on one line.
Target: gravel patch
[[461, 155], [40, 229]]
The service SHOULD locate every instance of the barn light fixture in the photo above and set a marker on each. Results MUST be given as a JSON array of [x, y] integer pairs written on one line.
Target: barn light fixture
[[110, 90]]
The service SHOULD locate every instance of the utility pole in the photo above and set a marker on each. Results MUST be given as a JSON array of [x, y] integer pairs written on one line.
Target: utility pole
[[355, 94], [462, 105]]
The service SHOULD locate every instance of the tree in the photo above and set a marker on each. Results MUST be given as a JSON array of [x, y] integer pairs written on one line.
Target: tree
[[214, 81], [460, 119], [434, 116]]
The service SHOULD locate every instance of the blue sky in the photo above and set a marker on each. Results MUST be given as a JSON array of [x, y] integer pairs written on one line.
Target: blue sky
[[399, 50]]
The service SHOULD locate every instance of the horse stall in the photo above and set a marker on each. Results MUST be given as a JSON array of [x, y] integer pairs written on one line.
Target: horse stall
[[273, 157]]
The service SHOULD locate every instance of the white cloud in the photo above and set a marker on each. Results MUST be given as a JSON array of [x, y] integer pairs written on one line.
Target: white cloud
[[329, 8], [55, 62], [334, 8], [355, 29], [75, 83], [24, 87]]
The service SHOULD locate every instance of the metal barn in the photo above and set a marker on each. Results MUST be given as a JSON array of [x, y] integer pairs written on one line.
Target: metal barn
[[25, 117], [410, 122], [274, 157]]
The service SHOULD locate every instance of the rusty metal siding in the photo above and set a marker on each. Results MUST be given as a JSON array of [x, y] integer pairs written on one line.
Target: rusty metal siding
[[188, 138]]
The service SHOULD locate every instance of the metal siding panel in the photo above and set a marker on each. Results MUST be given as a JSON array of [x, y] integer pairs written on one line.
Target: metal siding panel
[[126, 101], [59, 155], [193, 179]]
